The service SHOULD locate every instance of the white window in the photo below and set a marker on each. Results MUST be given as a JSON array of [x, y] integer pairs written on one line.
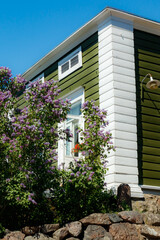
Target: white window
[[66, 149], [38, 78], [70, 63]]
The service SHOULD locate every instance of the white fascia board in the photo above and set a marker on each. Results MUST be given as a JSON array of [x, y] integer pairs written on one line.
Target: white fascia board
[[139, 23]]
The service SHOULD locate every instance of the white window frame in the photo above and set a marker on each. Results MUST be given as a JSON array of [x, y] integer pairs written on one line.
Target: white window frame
[[68, 59], [63, 159], [38, 78]]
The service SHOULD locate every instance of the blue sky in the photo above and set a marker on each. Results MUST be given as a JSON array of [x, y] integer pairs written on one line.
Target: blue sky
[[30, 29]]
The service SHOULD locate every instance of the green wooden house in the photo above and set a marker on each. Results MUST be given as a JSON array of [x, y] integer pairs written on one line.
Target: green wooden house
[[107, 60]]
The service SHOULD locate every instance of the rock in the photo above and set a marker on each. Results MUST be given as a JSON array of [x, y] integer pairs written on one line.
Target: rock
[[151, 232], [60, 233], [151, 204], [114, 218], [96, 232], [139, 228], [47, 228], [151, 219], [38, 236], [74, 228], [6, 231], [124, 196], [131, 216], [139, 206], [17, 235], [72, 238], [96, 218], [30, 230], [123, 231], [158, 206]]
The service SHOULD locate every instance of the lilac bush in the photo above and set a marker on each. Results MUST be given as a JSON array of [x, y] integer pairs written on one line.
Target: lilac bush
[[95, 144], [83, 190], [96, 140], [28, 139], [28, 155]]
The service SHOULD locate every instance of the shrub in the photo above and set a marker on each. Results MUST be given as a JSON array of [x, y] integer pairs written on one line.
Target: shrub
[[2, 229], [28, 147], [28, 157], [82, 186]]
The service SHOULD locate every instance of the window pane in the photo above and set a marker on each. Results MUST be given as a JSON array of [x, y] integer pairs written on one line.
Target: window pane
[[34, 80], [65, 67], [74, 61], [76, 109]]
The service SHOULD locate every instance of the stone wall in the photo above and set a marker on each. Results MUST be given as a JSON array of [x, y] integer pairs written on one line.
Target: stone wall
[[125, 225], [143, 223]]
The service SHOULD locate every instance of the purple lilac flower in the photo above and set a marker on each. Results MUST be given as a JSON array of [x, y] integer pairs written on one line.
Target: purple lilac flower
[[27, 176], [89, 168], [83, 153], [22, 185]]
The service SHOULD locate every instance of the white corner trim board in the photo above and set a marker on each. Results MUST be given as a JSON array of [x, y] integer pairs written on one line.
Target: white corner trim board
[[116, 59]]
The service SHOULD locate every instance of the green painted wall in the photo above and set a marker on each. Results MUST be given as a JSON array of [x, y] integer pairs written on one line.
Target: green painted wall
[[147, 59], [86, 76]]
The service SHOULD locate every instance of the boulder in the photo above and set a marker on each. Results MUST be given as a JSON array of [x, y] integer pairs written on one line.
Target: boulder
[[123, 231], [48, 228], [72, 238], [151, 204], [6, 231], [114, 218], [151, 232], [96, 232], [97, 219], [16, 235], [139, 206], [60, 233], [124, 196], [139, 229], [30, 230], [74, 228], [38, 236], [131, 216], [151, 219]]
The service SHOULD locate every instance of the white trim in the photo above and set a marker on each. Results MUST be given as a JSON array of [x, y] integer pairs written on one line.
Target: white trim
[[73, 94], [68, 58], [147, 189], [118, 98], [156, 188], [76, 95]]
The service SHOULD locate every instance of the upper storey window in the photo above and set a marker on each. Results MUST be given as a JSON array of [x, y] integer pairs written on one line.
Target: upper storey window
[[38, 78], [70, 63]]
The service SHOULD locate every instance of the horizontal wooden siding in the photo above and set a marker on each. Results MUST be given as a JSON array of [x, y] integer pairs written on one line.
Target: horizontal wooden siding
[[147, 58], [86, 76]]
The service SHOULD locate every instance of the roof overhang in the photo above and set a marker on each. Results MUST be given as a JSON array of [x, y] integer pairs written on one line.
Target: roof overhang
[[84, 32]]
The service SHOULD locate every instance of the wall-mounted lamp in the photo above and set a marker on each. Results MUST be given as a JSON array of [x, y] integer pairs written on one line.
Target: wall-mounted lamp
[[151, 84]]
